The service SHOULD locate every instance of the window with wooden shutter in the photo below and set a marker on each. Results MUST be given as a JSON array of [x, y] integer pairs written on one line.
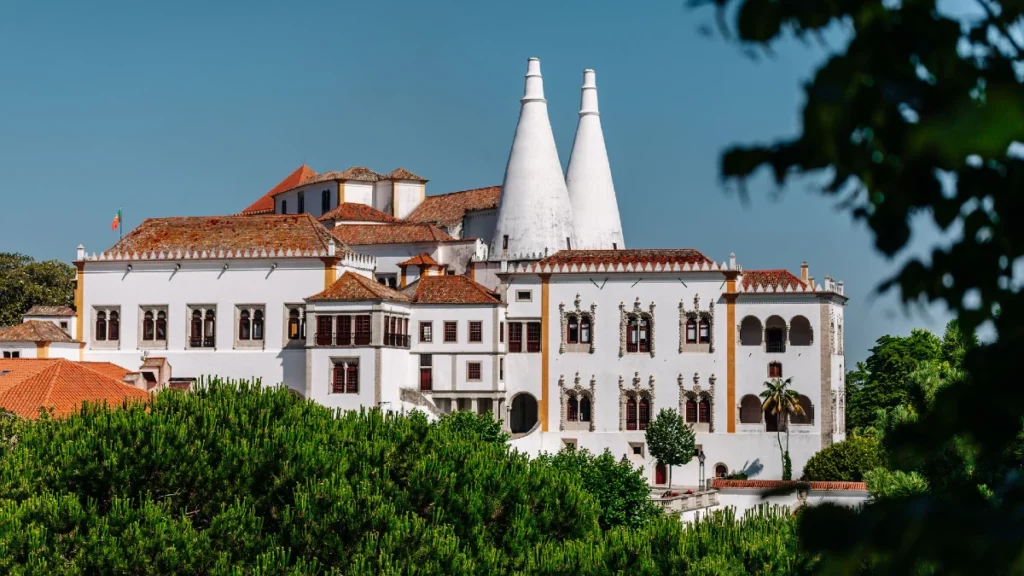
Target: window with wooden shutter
[[515, 337], [476, 331], [533, 337], [451, 331]]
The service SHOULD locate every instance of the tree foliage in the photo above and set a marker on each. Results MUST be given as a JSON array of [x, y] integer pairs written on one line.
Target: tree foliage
[[25, 283], [846, 461], [781, 401], [918, 115], [670, 440], [239, 479]]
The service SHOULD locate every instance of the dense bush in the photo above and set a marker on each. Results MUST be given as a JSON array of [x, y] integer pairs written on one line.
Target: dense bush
[[845, 461], [884, 483], [235, 479]]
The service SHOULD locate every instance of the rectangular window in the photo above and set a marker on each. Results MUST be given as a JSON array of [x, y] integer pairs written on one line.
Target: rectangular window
[[573, 330], [524, 295], [775, 370], [345, 379], [705, 332], [638, 448], [504, 242], [426, 372], [691, 332], [325, 201], [473, 371], [501, 369], [451, 331], [12, 354], [302, 202], [426, 331], [515, 337], [324, 329], [284, 206], [533, 336], [476, 331], [501, 332], [344, 333], [363, 330], [295, 323]]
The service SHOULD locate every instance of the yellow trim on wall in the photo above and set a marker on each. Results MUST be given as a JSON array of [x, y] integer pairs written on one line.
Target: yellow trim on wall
[[472, 271], [544, 350], [330, 271], [730, 346], [341, 193], [81, 352], [403, 276], [42, 349], [394, 199], [79, 300]]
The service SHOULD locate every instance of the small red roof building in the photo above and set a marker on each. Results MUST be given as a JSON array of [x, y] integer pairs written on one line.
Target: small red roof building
[[752, 279], [449, 209], [60, 385], [34, 331], [265, 205], [449, 290], [356, 212], [352, 286]]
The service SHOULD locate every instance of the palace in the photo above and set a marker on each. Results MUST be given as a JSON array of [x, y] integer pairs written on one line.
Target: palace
[[356, 289]]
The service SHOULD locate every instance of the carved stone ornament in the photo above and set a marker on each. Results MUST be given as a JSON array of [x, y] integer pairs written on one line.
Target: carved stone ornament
[[636, 392], [697, 394], [638, 313], [580, 313], [579, 392]]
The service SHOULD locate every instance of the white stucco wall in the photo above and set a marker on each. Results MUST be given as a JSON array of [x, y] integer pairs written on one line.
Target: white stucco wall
[[313, 198], [56, 321], [24, 349], [480, 224], [409, 194], [383, 198], [360, 193]]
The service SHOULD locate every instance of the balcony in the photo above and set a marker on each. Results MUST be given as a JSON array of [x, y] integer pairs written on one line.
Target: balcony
[[397, 340], [331, 339], [775, 346]]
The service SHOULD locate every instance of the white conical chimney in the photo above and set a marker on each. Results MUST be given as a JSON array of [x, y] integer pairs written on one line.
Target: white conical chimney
[[589, 179], [534, 215]]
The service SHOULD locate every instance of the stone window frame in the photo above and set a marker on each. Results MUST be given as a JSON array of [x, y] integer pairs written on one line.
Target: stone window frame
[[634, 445], [697, 315], [333, 362], [155, 309], [480, 371], [570, 442], [529, 295], [697, 393], [251, 343], [565, 346], [203, 309], [106, 343], [638, 313], [579, 392], [635, 391], [287, 342]]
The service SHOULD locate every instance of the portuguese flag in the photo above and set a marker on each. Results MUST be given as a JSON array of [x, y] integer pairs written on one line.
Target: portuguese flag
[[117, 220]]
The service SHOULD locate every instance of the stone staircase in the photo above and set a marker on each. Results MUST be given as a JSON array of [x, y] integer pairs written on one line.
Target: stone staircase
[[413, 396]]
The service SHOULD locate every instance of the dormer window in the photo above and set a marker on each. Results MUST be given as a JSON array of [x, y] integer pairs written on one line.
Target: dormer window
[[302, 202], [284, 206]]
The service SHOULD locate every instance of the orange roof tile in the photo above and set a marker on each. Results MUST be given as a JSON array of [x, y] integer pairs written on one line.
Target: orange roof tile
[[449, 290], [265, 205], [352, 286], [642, 256], [403, 174], [108, 369], [423, 259], [449, 209], [360, 234], [215, 233], [34, 331], [766, 278], [50, 311], [356, 212], [58, 384]]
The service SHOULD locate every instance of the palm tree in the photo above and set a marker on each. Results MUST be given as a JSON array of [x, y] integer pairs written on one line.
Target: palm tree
[[781, 401]]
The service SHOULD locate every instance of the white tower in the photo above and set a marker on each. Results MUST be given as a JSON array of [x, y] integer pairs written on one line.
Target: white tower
[[589, 178], [534, 215]]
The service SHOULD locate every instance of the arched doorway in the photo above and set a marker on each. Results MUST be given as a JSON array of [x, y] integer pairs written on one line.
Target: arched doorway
[[524, 413]]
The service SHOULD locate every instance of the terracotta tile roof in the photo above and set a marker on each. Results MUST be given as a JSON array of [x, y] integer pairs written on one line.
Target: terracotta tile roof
[[360, 234], [352, 286], [107, 369], [403, 174], [641, 256], [420, 260], [58, 384], [356, 212], [34, 331], [358, 173], [449, 209], [766, 278], [265, 205], [50, 311], [776, 484], [449, 290], [215, 233]]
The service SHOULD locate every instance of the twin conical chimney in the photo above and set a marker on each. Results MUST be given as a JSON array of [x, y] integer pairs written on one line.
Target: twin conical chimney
[[589, 178], [534, 214]]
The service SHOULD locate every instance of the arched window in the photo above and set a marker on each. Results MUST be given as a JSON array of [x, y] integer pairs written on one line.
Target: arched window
[[293, 324], [644, 413], [721, 470], [101, 326], [775, 334], [638, 334], [691, 410], [750, 331], [800, 332], [775, 369], [196, 329], [573, 330], [807, 417], [148, 326], [244, 326], [257, 325], [704, 332], [209, 329], [161, 325], [114, 326], [750, 410], [631, 413], [704, 411], [585, 409], [585, 330], [691, 331], [572, 411]]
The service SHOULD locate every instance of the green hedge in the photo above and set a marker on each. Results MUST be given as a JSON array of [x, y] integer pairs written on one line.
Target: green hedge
[[845, 461], [238, 479]]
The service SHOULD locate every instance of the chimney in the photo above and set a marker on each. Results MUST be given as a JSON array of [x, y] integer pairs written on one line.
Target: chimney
[[589, 178], [803, 272], [534, 214], [732, 261], [331, 248], [81, 253]]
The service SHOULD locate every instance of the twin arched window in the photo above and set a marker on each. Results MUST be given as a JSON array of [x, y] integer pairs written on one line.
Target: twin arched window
[[154, 326], [638, 412], [578, 329], [578, 410], [202, 328], [108, 325], [698, 412], [638, 334], [698, 332], [250, 324]]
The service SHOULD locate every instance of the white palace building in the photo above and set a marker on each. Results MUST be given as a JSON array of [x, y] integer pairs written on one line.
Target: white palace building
[[356, 289]]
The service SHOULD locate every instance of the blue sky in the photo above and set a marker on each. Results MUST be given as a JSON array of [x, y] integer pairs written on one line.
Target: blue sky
[[191, 108]]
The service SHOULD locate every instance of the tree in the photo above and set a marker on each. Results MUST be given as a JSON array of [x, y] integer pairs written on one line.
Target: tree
[[920, 114], [782, 401], [25, 283], [846, 461], [670, 440]]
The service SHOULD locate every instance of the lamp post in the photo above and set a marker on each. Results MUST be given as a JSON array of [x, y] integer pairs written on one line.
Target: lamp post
[[700, 459]]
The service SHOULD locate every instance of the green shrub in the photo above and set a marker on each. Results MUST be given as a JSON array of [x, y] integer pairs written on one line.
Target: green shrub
[[845, 461], [884, 483]]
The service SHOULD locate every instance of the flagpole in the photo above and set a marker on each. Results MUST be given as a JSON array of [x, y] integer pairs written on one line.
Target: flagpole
[[120, 224]]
